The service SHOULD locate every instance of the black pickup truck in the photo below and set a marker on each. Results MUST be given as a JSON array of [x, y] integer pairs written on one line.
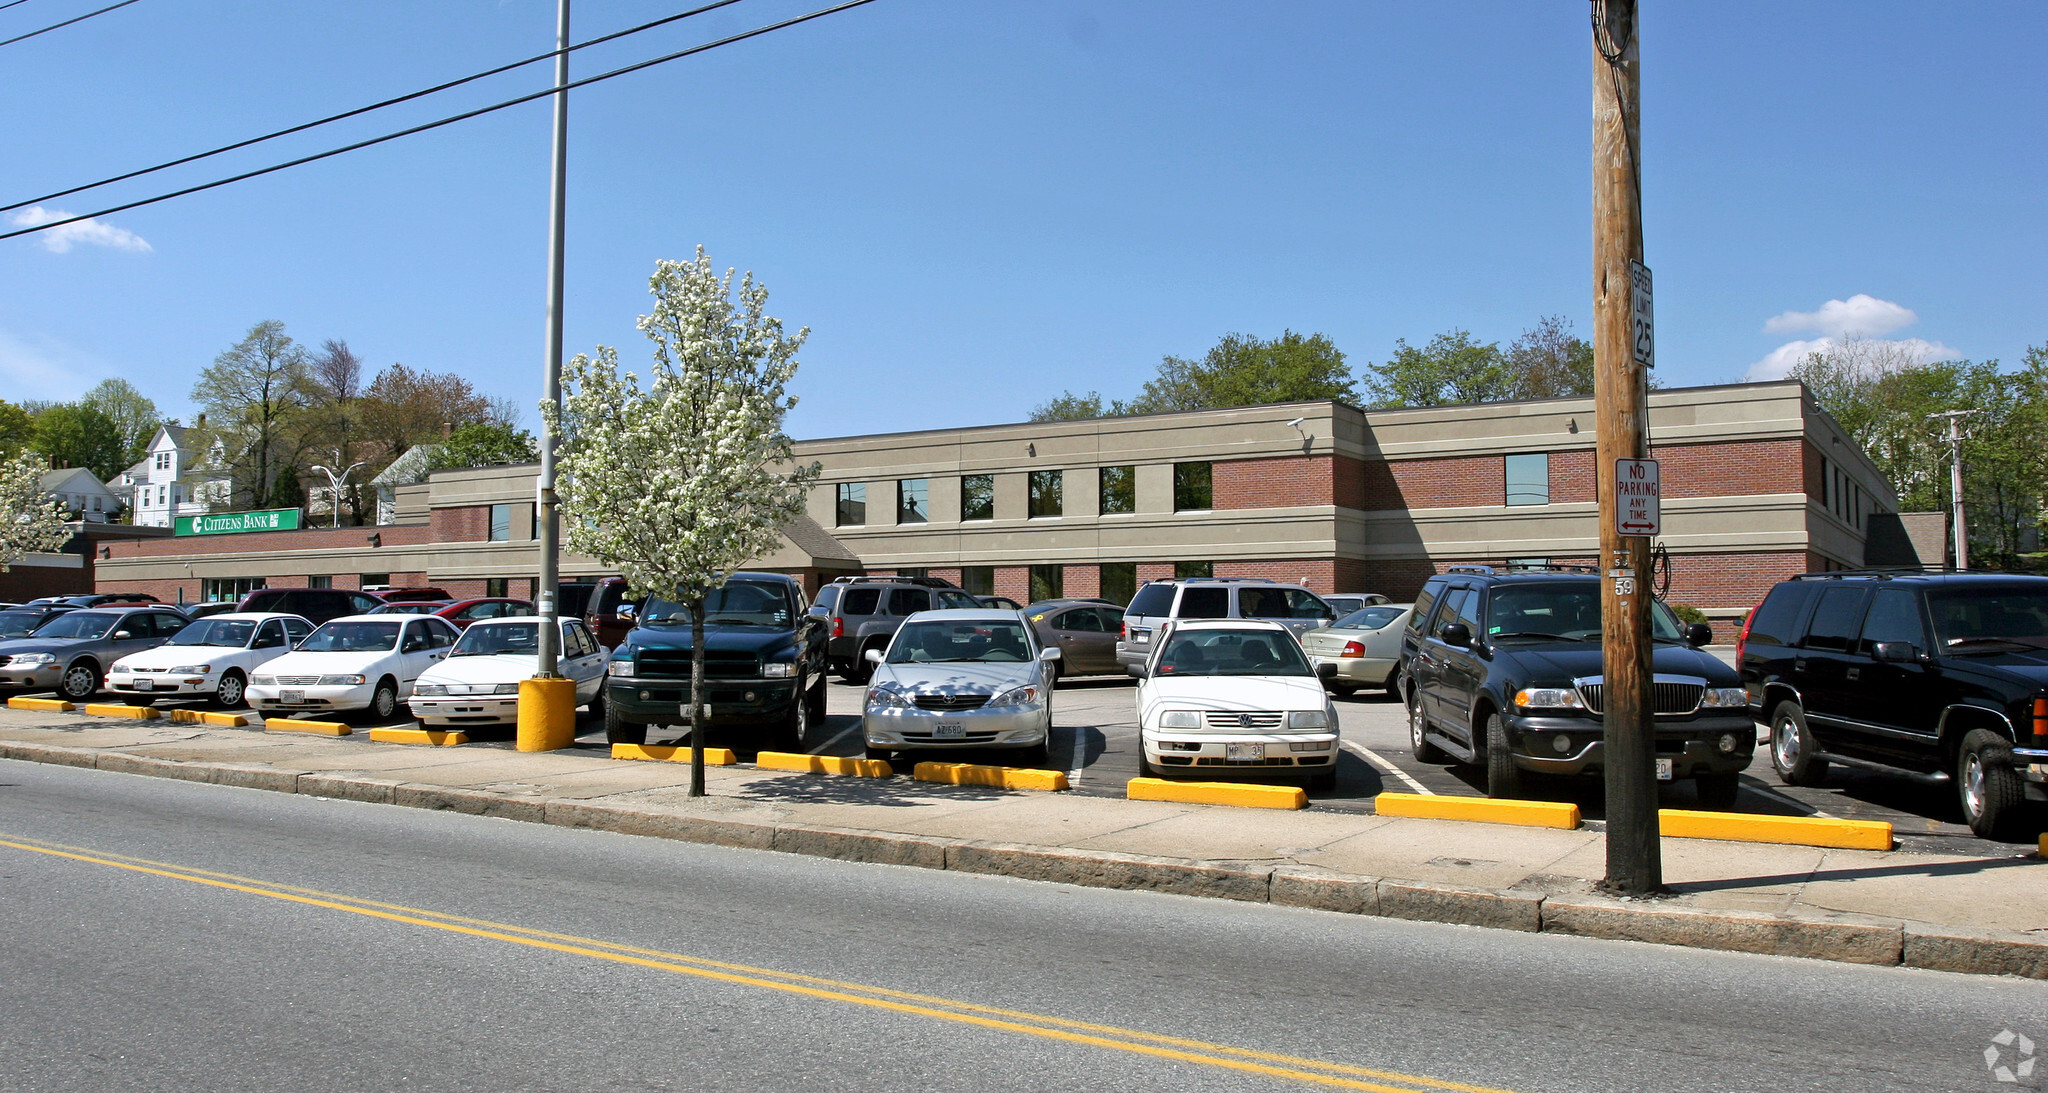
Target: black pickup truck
[[764, 664], [1936, 677]]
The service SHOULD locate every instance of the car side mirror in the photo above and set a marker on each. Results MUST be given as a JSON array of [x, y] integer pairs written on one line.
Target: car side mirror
[[874, 656], [1456, 635], [1135, 671], [1699, 634], [1326, 671], [626, 612], [122, 635], [1048, 655], [1898, 651]]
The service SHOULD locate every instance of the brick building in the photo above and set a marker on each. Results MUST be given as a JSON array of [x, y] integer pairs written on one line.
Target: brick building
[[1758, 483]]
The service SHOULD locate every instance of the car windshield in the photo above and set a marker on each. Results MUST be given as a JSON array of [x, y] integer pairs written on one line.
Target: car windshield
[[352, 637], [519, 639], [79, 624], [407, 609], [1569, 612], [2015, 614], [233, 633], [987, 641], [1247, 652], [739, 603], [16, 624], [1369, 618]]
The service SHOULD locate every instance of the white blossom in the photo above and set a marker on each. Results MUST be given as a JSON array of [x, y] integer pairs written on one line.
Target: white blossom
[[31, 521]]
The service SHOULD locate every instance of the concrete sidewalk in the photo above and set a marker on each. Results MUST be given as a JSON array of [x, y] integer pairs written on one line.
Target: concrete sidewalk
[[1957, 913]]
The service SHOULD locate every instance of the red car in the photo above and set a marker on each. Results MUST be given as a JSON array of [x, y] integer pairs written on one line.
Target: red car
[[464, 612]]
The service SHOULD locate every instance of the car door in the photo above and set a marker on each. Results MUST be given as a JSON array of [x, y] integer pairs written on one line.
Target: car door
[[1426, 667], [268, 644], [585, 664], [295, 631], [1821, 666], [1072, 630], [1896, 704], [1462, 669]]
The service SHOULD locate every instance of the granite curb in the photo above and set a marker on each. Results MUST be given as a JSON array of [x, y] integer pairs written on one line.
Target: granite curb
[[1848, 938]]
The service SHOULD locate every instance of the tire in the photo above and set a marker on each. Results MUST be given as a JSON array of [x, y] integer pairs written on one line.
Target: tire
[[1993, 795], [618, 730], [874, 752], [1052, 675], [1717, 791], [232, 690], [79, 682], [139, 700], [816, 697], [1422, 749], [1503, 777], [1344, 690], [862, 671], [1035, 756], [383, 701], [789, 735], [1145, 768], [597, 704], [1793, 752]]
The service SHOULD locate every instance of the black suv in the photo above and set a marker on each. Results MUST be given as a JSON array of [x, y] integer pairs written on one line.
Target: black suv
[[1503, 670], [864, 612], [764, 663], [1935, 676], [316, 605]]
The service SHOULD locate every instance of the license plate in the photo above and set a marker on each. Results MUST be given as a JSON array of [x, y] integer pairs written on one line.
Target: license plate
[[145, 685], [949, 730], [1243, 753], [1141, 636], [685, 710], [291, 696], [1663, 770]]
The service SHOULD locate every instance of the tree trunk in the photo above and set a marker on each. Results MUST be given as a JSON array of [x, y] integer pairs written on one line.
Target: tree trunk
[[699, 724]]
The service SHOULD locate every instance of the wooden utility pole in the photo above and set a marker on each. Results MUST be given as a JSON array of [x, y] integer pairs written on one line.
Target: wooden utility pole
[[1621, 356]]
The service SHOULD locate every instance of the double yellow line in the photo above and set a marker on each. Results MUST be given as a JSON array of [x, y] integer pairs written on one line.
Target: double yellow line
[[1173, 1048]]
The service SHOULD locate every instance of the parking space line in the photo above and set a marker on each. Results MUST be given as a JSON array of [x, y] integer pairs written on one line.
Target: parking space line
[[1080, 754], [1372, 757], [830, 744], [1776, 796]]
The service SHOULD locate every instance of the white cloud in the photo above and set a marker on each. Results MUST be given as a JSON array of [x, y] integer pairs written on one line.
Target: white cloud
[[1884, 355], [62, 239], [1861, 315]]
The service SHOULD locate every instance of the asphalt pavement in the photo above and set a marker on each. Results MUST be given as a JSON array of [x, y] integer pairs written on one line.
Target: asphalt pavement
[[165, 934]]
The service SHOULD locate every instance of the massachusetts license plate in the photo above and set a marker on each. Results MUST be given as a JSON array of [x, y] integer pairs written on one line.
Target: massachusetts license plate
[[291, 696], [949, 730], [145, 685], [1243, 753], [1663, 770]]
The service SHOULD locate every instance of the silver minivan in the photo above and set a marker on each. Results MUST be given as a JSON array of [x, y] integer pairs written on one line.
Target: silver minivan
[[1161, 601]]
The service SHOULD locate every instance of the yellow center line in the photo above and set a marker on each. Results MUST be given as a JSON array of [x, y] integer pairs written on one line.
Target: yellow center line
[[1339, 1075]]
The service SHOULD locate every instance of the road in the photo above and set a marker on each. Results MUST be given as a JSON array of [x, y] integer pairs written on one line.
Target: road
[[177, 935]]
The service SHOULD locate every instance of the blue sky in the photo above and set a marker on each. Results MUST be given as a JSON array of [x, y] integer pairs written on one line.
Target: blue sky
[[977, 205]]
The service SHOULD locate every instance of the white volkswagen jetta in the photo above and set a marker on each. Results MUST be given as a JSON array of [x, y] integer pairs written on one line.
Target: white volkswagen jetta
[[357, 662], [479, 682], [213, 656], [1235, 698]]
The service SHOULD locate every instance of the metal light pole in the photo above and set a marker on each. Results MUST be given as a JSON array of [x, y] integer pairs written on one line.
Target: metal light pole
[[335, 484], [1955, 483]]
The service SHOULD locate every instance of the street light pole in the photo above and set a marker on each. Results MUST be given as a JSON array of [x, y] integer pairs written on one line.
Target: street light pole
[[335, 484], [1955, 483], [551, 382]]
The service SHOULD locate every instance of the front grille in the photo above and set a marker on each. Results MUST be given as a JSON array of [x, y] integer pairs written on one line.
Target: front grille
[[675, 664], [1669, 697], [298, 681], [928, 738], [149, 669], [1248, 719], [950, 702]]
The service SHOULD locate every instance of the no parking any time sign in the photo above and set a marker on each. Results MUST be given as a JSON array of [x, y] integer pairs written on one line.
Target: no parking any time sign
[[1637, 497]]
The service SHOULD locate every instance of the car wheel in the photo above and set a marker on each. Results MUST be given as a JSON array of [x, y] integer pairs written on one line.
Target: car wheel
[[80, 681], [874, 752], [789, 736], [1793, 754], [1345, 690], [1145, 768], [618, 730], [384, 701], [1418, 745], [1503, 777], [1037, 755], [232, 687], [596, 704], [1993, 794], [816, 697], [1717, 791]]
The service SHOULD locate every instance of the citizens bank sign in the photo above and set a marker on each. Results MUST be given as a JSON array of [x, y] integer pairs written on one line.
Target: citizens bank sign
[[223, 522]]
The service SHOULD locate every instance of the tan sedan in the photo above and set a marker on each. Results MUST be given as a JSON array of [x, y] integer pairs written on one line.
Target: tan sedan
[[1363, 645]]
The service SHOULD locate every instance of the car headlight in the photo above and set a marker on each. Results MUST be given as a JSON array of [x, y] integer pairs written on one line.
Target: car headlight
[[888, 695], [777, 670], [1307, 719], [619, 668], [262, 681], [1015, 696], [1180, 719], [188, 669], [1555, 698], [430, 690], [32, 660], [1721, 698], [505, 689], [342, 681]]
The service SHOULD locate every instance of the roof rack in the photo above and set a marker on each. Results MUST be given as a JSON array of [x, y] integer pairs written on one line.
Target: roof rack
[[1871, 574], [922, 582], [1481, 570], [1549, 567]]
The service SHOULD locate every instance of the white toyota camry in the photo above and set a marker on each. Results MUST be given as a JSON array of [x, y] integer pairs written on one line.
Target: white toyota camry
[[479, 682], [1235, 698], [357, 662], [210, 657]]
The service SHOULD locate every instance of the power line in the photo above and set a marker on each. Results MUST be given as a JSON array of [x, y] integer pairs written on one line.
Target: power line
[[65, 23], [181, 161], [465, 116], [12, 3]]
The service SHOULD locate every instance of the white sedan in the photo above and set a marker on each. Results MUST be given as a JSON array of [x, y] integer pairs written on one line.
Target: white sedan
[[479, 682], [1235, 698], [213, 656], [357, 662]]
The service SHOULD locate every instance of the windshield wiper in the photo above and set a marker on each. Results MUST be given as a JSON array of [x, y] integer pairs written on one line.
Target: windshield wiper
[[734, 620], [1537, 634]]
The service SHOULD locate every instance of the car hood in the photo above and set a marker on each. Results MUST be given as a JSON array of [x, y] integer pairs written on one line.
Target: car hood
[[1561, 661], [2030, 665], [1232, 693], [956, 678], [738, 639], [171, 656], [318, 664], [495, 668], [43, 645]]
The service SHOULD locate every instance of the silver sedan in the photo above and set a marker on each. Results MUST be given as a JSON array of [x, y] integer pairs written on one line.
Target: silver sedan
[[1363, 645], [960, 679]]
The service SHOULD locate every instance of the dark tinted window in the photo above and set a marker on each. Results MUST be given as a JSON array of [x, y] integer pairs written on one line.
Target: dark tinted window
[[1773, 621], [1837, 618], [1993, 611], [827, 597], [358, 604], [1204, 603], [1454, 602], [948, 598], [1424, 600], [903, 601], [1894, 616], [1081, 619], [861, 601], [1153, 599], [1465, 609]]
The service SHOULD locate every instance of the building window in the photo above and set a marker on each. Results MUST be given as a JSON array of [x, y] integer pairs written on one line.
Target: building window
[[978, 499], [1119, 581], [1528, 563], [1047, 491], [978, 580], [495, 586], [1047, 582], [1193, 487], [501, 523], [368, 580], [1119, 491], [214, 589], [1183, 570], [320, 580], [913, 571], [852, 510], [1528, 478], [163, 461], [913, 501]]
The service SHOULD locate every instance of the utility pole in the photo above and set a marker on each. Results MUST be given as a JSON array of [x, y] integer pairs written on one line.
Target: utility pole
[[1621, 354], [1955, 483]]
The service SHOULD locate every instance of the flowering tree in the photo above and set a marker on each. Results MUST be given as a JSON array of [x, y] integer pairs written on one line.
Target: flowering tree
[[30, 520], [679, 484]]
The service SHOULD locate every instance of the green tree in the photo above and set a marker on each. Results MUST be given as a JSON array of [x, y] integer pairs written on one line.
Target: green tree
[[1241, 370], [255, 395], [1451, 369], [75, 434], [1068, 406], [1549, 361], [484, 444], [133, 413], [17, 429]]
